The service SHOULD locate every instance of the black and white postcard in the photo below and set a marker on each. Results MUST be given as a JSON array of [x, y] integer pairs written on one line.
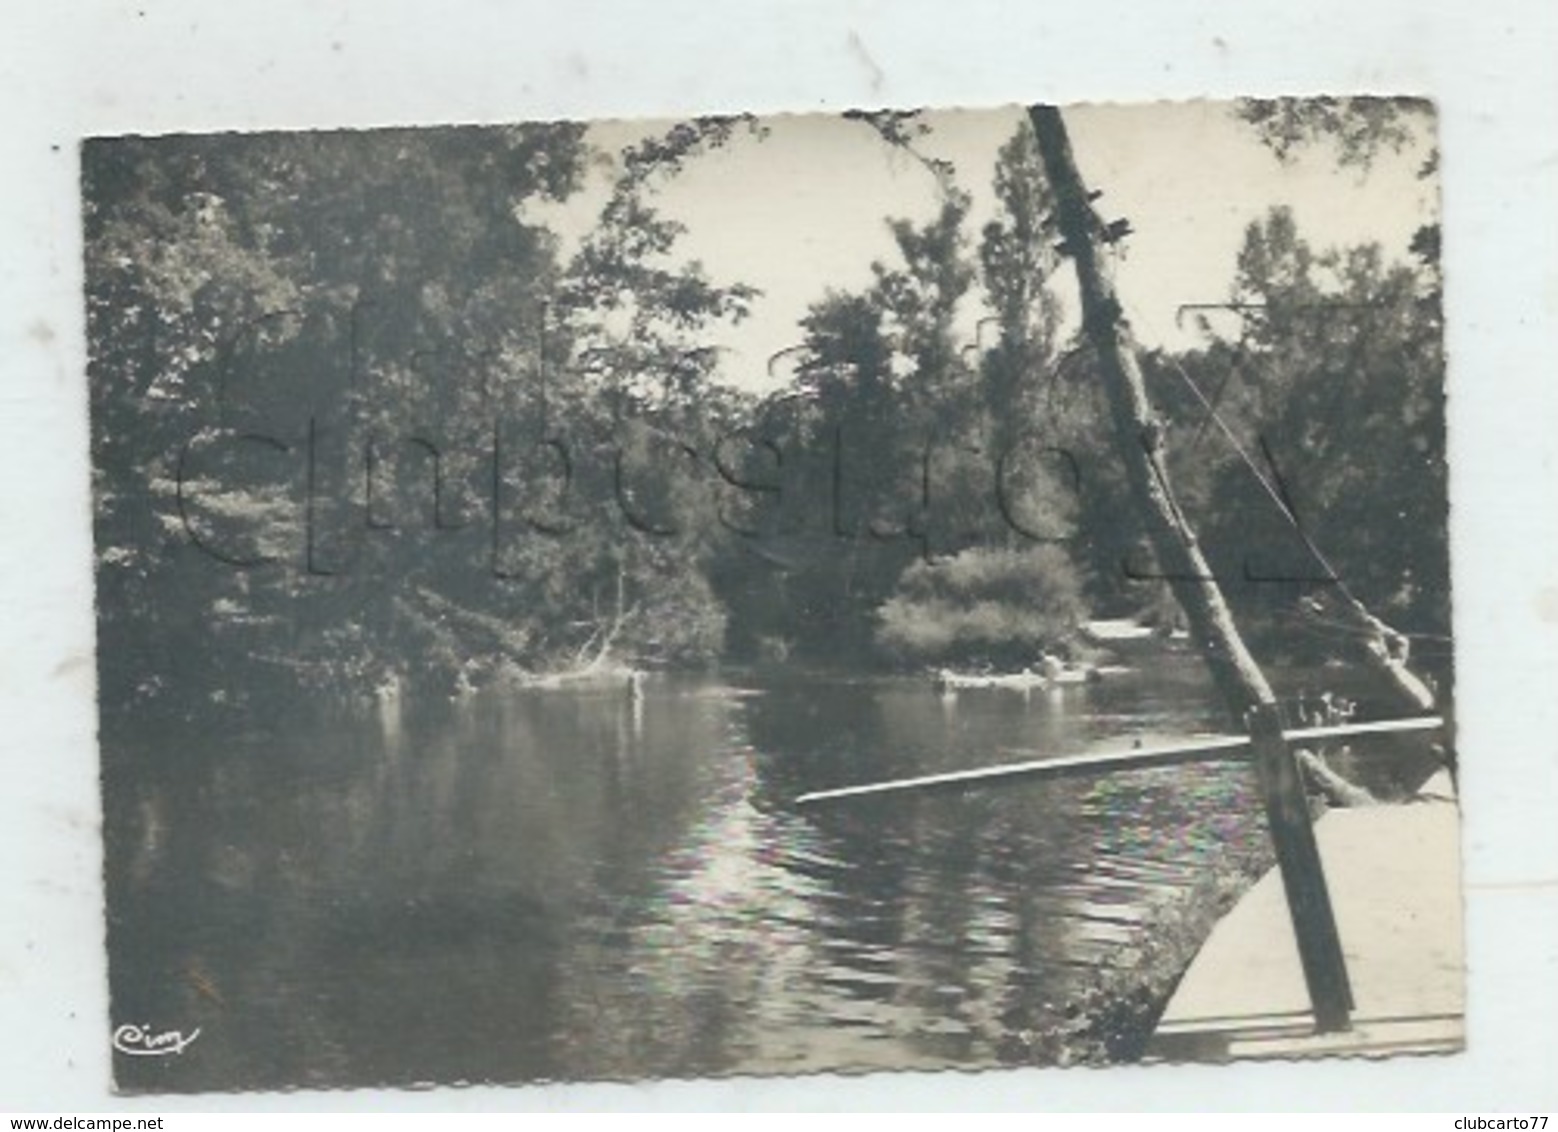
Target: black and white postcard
[[771, 594]]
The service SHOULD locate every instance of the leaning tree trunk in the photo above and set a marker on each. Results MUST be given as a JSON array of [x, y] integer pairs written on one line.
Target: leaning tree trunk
[[1244, 689], [1139, 435]]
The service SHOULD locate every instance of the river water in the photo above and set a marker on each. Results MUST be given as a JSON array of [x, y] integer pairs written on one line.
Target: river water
[[534, 885]]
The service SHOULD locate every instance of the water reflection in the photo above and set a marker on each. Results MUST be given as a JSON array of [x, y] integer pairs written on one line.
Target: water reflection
[[550, 885]]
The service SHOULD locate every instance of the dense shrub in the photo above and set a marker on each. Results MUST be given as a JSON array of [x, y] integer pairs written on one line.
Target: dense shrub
[[1000, 606]]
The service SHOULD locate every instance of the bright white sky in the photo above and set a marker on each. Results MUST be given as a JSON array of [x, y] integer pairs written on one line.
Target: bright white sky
[[804, 209]]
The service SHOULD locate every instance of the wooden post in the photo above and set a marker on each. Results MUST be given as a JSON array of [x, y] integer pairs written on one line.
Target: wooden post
[[1303, 875], [1138, 436]]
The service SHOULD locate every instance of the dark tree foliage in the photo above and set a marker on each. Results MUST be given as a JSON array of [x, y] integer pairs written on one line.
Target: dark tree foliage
[[347, 409], [1358, 128], [357, 419], [913, 470], [1334, 393]]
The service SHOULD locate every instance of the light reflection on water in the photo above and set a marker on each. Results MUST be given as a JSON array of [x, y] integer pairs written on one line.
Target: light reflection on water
[[546, 885]]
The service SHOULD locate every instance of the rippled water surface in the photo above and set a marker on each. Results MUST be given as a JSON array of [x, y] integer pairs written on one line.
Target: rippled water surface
[[542, 885]]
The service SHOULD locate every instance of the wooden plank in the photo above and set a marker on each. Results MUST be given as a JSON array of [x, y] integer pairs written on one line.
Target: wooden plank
[[1210, 749], [1380, 727], [1202, 750]]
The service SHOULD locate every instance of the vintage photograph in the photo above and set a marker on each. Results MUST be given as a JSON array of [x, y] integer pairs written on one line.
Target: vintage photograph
[[900, 589]]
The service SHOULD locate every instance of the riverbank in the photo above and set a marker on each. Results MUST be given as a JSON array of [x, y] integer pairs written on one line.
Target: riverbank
[[1394, 879], [1115, 1018]]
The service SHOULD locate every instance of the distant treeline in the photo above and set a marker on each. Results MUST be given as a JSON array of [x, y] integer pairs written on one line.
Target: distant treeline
[[356, 416]]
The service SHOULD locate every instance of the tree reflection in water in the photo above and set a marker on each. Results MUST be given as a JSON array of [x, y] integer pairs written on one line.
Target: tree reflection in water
[[535, 885]]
